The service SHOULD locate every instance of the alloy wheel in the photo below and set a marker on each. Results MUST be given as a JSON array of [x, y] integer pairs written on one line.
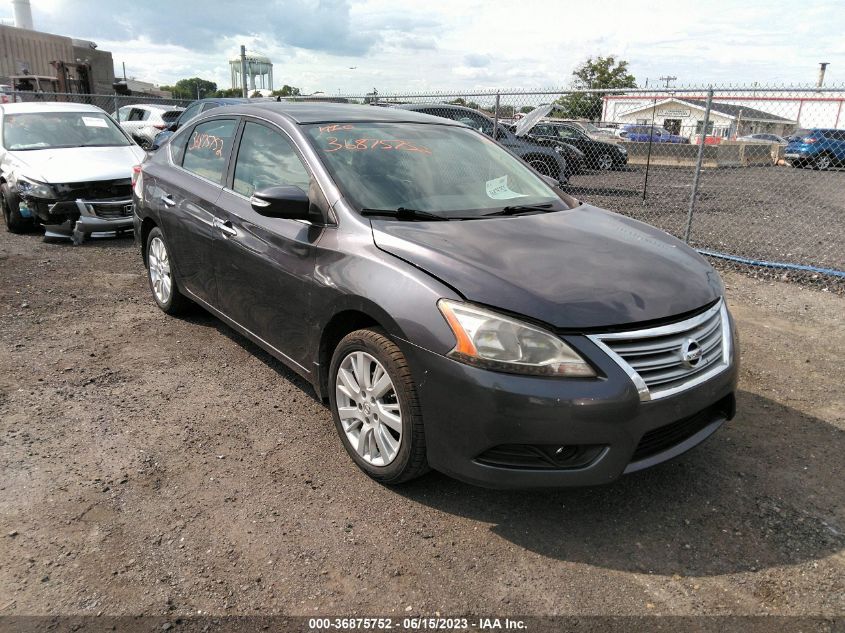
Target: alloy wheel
[[605, 162], [368, 408], [823, 162], [159, 266]]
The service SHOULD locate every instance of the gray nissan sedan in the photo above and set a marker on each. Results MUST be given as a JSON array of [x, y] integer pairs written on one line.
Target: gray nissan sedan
[[456, 309]]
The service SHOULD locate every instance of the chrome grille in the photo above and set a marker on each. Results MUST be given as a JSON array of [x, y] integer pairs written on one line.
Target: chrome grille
[[668, 359]]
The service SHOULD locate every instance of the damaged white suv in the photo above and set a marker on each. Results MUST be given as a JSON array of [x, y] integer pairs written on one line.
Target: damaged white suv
[[66, 167]]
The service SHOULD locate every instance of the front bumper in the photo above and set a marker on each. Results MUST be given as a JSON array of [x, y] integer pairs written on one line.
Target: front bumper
[[89, 216], [469, 411]]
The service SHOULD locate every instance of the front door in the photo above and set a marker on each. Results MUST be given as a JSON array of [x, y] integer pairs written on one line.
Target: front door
[[187, 202], [265, 266]]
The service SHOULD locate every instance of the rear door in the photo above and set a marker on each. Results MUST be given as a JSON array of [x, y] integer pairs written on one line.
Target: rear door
[[265, 266], [187, 202]]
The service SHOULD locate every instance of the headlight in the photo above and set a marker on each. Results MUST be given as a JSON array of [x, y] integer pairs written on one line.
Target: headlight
[[34, 188], [493, 341], [559, 149]]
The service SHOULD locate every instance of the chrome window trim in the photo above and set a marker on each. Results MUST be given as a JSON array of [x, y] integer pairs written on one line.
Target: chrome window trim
[[643, 390]]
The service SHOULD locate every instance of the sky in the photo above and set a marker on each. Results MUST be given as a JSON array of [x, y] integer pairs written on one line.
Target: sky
[[353, 46]]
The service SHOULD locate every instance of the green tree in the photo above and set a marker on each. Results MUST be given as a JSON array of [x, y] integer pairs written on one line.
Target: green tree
[[599, 74], [229, 92], [192, 88], [526, 109], [287, 91]]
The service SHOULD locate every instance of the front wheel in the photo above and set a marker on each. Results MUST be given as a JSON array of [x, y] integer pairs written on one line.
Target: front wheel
[[160, 275], [15, 222], [605, 162], [823, 162], [375, 407]]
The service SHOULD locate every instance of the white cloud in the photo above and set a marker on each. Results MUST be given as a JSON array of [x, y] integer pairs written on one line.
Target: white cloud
[[466, 44]]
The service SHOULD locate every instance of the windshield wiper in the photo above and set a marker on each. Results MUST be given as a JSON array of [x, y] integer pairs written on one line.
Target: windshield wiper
[[518, 209], [403, 213]]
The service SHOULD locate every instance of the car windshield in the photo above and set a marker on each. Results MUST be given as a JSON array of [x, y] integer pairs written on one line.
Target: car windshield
[[51, 130], [446, 170]]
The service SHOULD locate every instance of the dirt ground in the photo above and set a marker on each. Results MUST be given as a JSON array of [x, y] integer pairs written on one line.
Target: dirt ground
[[167, 466]]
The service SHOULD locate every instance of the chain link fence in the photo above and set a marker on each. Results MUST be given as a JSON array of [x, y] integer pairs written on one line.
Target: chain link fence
[[752, 177]]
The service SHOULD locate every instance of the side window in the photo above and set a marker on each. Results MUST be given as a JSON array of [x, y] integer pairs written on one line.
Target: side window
[[123, 113], [567, 133], [136, 114], [208, 148], [177, 147], [267, 159], [190, 113]]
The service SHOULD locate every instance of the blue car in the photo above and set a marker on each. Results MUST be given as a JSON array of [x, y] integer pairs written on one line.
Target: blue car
[[818, 147], [644, 133], [196, 108]]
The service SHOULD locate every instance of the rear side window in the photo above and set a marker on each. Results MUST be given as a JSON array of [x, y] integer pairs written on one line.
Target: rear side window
[[208, 148]]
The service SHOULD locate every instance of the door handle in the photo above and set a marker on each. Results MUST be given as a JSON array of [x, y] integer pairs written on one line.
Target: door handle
[[225, 227], [167, 200]]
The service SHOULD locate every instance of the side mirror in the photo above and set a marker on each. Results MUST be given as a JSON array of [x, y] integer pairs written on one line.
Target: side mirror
[[282, 202], [173, 127]]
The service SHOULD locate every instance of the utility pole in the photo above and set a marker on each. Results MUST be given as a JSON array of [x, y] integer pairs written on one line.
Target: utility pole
[[667, 79]]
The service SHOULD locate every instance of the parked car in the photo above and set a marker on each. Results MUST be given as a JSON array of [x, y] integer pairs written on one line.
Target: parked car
[[457, 311], [547, 158], [763, 138], [644, 133], [194, 109], [591, 130], [820, 148], [144, 120], [598, 154], [8, 95], [66, 167], [576, 161]]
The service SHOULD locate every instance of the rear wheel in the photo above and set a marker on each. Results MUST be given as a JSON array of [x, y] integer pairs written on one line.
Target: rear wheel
[[160, 275], [375, 407], [15, 222]]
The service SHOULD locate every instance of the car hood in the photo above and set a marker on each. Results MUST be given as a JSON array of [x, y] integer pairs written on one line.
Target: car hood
[[580, 269], [79, 164]]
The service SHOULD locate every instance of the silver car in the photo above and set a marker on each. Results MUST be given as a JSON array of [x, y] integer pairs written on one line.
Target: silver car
[[66, 167], [143, 121]]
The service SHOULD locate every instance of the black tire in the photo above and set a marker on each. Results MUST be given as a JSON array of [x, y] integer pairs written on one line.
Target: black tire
[[410, 461], [176, 303], [15, 222]]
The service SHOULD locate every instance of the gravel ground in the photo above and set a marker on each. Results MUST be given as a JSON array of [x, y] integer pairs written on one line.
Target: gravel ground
[[154, 465], [779, 214]]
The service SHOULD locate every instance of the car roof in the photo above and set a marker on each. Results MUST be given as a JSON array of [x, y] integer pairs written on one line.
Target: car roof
[[41, 106], [154, 106], [304, 112]]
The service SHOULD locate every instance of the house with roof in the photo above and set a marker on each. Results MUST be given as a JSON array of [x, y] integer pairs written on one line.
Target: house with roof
[[685, 116]]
